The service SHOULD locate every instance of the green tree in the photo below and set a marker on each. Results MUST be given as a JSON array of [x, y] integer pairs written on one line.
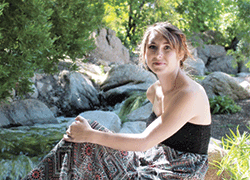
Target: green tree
[[198, 16], [36, 34], [129, 18]]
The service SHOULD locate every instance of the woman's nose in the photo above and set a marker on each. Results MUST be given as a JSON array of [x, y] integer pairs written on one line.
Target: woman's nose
[[160, 54]]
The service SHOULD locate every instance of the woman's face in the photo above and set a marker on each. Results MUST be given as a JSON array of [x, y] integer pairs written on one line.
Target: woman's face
[[160, 56]]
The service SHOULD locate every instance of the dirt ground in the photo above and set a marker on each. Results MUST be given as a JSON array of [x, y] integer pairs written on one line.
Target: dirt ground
[[221, 123]]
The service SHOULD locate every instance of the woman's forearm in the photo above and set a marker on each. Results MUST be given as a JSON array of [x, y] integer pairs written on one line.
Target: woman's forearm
[[124, 142]]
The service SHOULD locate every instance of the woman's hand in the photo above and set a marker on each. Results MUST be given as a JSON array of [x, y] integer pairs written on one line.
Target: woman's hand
[[79, 131]]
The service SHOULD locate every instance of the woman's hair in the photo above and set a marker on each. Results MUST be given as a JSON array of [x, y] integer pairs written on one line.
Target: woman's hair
[[175, 37]]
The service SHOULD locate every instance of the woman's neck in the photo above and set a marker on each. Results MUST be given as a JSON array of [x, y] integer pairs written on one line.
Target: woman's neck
[[171, 82]]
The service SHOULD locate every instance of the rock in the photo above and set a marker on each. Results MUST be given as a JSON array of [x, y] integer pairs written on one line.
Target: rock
[[80, 93], [71, 92], [141, 114], [25, 112], [243, 79], [224, 64], [203, 52], [118, 94], [127, 73], [195, 66], [206, 52], [109, 48], [108, 119], [97, 73], [54, 110], [123, 80], [35, 93], [221, 84], [215, 153], [216, 51], [133, 127]]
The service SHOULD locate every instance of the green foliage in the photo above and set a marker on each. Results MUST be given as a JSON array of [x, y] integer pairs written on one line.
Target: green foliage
[[198, 16], [36, 34], [236, 161], [129, 18], [135, 101], [240, 54], [222, 105]]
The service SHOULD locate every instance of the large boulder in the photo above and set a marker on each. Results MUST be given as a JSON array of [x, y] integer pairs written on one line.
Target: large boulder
[[222, 84], [224, 64], [133, 127], [25, 112], [70, 92], [141, 114], [209, 52], [106, 118], [122, 80], [109, 48], [195, 66]]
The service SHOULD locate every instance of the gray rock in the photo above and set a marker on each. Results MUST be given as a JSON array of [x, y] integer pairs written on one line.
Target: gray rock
[[81, 92], [141, 114], [35, 93], [216, 51], [4, 121], [195, 66], [224, 64], [203, 53], [123, 80], [221, 84], [25, 112], [109, 48], [118, 94], [210, 52], [133, 127], [108, 119], [127, 73], [71, 92]]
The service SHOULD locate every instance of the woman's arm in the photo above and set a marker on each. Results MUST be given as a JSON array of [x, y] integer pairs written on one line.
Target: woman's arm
[[184, 107]]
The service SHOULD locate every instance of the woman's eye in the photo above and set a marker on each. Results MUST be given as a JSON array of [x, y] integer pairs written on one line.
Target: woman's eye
[[152, 47], [167, 47]]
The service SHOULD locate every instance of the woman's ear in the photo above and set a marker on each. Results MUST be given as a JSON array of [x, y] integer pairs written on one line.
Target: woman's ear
[[181, 55]]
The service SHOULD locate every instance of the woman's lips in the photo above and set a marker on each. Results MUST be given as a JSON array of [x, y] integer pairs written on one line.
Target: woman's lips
[[159, 63]]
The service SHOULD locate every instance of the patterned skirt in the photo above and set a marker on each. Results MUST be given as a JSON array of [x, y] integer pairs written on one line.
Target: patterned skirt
[[86, 161]]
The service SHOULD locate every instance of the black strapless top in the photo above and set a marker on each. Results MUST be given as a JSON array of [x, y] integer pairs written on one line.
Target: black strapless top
[[190, 138]]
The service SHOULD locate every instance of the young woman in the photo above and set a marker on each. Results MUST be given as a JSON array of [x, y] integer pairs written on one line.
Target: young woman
[[173, 146]]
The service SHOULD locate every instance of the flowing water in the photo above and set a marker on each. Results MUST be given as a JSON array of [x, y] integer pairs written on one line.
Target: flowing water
[[23, 147]]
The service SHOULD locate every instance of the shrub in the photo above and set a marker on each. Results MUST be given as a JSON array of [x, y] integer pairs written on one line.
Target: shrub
[[135, 101], [236, 161], [222, 105]]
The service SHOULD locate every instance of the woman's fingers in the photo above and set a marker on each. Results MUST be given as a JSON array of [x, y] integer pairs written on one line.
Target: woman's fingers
[[79, 118], [69, 133], [67, 138]]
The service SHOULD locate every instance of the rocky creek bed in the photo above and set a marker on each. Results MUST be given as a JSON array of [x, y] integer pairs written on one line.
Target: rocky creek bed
[[24, 146]]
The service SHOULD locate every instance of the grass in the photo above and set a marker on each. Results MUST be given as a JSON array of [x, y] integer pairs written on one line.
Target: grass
[[236, 162]]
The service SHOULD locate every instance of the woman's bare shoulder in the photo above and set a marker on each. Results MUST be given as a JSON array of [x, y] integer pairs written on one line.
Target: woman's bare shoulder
[[199, 102], [151, 91]]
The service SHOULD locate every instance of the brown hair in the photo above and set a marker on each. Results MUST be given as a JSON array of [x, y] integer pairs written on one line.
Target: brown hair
[[173, 35]]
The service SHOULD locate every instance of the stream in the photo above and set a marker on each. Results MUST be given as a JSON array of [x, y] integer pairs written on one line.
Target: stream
[[23, 147]]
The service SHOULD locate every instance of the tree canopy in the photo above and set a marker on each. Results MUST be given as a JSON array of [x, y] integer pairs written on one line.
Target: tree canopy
[[36, 34]]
